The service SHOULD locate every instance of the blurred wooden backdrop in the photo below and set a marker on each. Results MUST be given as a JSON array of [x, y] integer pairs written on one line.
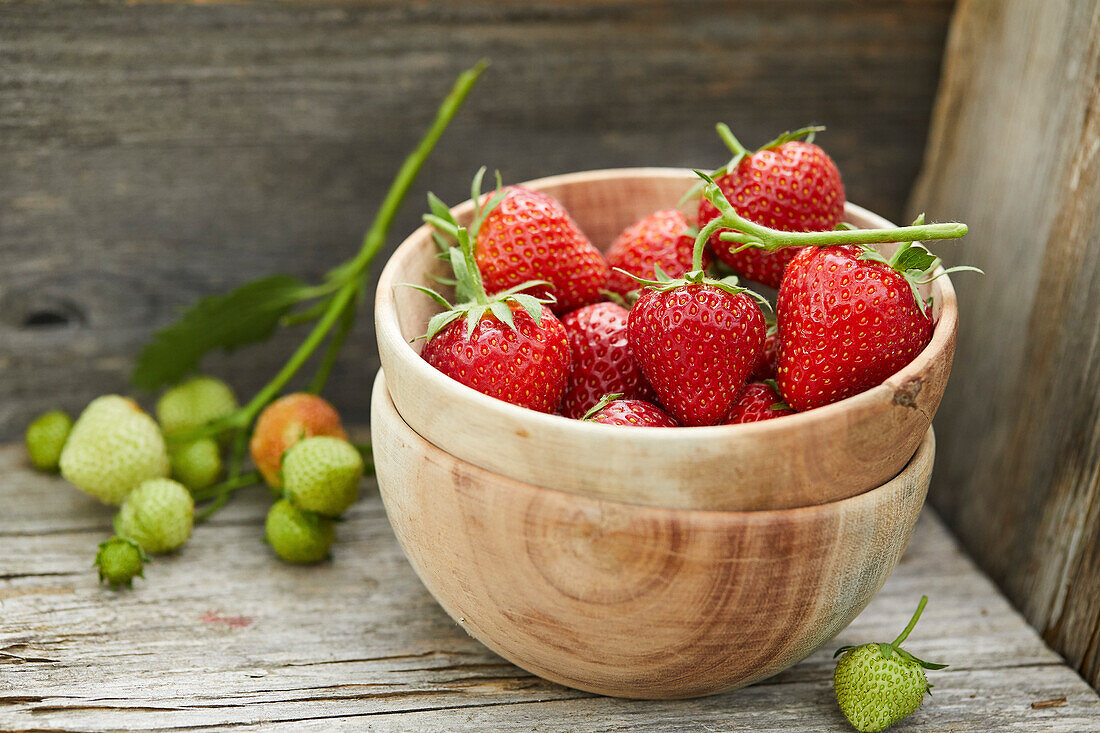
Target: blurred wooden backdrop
[[154, 152]]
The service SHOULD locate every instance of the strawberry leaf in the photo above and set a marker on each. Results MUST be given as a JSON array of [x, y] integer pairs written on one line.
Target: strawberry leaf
[[243, 316]]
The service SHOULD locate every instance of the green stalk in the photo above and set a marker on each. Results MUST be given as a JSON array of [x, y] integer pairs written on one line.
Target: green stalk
[[333, 351], [912, 623]]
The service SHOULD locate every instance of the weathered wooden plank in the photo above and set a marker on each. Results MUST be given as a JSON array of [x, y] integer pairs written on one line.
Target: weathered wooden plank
[[155, 152], [1014, 152], [223, 635]]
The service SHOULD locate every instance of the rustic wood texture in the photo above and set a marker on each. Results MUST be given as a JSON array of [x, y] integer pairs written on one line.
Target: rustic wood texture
[[823, 455], [154, 152], [224, 636], [1014, 153], [636, 601]]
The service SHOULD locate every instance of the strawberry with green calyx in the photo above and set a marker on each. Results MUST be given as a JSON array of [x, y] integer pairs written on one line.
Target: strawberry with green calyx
[[519, 235], [196, 464], [119, 561], [158, 515], [45, 439], [788, 184], [321, 475], [663, 239], [697, 340], [601, 358], [849, 318], [879, 684], [298, 536], [758, 401], [507, 346], [613, 410]]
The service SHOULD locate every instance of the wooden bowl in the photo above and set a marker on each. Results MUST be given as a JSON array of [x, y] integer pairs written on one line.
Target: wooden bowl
[[815, 457], [630, 600]]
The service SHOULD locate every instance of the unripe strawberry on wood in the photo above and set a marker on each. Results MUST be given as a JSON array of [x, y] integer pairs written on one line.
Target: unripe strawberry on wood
[[45, 439], [519, 235], [789, 184], [601, 358], [321, 474], [613, 410], [120, 560], [286, 421], [195, 464], [112, 448], [507, 346], [158, 515], [663, 239], [298, 536], [194, 402]]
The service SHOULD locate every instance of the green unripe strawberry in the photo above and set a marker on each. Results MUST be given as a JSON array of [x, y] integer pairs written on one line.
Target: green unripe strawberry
[[112, 448], [298, 536], [194, 402], [46, 437], [197, 464], [158, 515], [119, 561], [879, 684], [321, 475]]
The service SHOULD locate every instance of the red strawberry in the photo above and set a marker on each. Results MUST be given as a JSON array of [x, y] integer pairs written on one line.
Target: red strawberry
[[638, 413], [769, 357], [662, 239], [697, 342], [506, 346], [758, 401], [522, 235], [848, 320], [601, 358], [788, 184]]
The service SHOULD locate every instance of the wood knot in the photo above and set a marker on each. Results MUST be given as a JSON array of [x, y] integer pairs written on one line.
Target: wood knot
[[906, 394]]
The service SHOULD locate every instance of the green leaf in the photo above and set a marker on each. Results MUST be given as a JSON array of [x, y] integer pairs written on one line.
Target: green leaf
[[430, 293], [439, 321], [503, 313], [439, 208], [912, 257], [242, 316], [473, 317], [927, 665], [531, 304]]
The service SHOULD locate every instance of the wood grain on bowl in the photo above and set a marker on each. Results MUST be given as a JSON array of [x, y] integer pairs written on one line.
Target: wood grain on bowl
[[630, 600], [815, 457]]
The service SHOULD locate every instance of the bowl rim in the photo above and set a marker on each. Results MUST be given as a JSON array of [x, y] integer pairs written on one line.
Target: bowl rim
[[388, 327]]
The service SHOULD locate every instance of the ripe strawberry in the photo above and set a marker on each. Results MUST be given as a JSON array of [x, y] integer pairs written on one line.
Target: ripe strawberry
[[663, 239], [769, 357], [697, 340], [286, 421], [601, 358], [520, 235], [119, 561], [506, 346], [45, 439], [321, 475], [879, 684], [758, 401], [848, 319], [298, 536], [158, 515], [789, 184], [611, 410], [112, 448]]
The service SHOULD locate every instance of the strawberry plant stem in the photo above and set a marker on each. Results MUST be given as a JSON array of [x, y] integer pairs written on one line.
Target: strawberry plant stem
[[912, 623]]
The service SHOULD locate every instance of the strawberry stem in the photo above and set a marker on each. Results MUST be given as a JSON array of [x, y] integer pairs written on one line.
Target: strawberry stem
[[912, 623]]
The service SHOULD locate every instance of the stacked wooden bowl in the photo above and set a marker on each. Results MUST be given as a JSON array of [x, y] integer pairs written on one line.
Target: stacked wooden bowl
[[655, 562]]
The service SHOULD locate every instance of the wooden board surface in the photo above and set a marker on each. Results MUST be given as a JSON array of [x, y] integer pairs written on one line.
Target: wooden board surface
[[224, 636], [152, 152], [1014, 152]]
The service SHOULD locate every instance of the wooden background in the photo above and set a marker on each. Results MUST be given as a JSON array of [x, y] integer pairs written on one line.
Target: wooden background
[[153, 152]]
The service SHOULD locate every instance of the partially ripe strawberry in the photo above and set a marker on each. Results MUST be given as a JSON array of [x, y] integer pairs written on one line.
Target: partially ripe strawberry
[[769, 357], [697, 343], [879, 684], [193, 403], [297, 536], [158, 515], [612, 410], [321, 475], [45, 438], [519, 236], [601, 358], [848, 320], [113, 447], [286, 421], [758, 401], [789, 185], [120, 560], [663, 239], [195, 464]]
